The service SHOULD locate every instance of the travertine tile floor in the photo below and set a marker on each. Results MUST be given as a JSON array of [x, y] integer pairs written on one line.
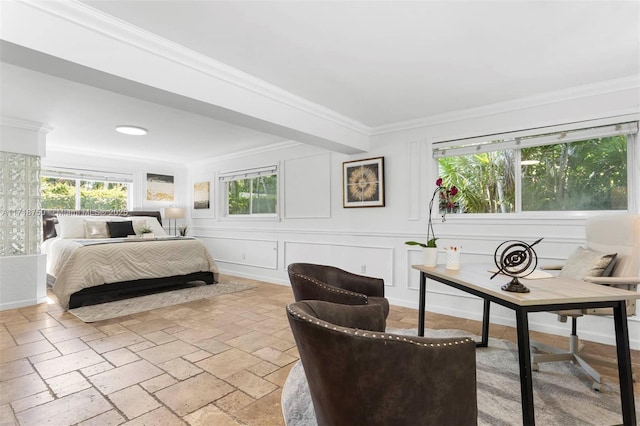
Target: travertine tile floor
[[220, 361]]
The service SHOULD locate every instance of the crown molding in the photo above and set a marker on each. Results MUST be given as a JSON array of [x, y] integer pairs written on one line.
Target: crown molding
[[25, 124], [97, 21], [605, 87]]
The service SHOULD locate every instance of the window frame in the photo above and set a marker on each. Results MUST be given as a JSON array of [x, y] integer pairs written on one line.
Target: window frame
[[544, 136], [224, 178]]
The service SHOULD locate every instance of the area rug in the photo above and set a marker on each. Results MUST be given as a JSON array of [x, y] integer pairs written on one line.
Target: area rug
[[134, 305], [562, 392]]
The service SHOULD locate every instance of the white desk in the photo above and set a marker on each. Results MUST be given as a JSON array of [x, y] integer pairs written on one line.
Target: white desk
[[550, 294]]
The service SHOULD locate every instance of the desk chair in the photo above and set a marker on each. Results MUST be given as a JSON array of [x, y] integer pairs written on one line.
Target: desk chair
[[616, 236]]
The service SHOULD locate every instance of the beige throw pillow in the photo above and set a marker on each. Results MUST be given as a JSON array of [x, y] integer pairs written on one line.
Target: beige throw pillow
[[95, 229], [588, 263]]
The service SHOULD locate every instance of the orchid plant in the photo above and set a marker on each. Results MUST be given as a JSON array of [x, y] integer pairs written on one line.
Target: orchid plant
[[446, 198]]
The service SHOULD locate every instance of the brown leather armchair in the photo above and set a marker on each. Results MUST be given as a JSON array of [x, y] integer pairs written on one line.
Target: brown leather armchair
[[320, 282], [359, 375]]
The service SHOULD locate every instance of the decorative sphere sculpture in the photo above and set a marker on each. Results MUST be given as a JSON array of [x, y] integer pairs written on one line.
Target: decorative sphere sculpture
[[516, 259]]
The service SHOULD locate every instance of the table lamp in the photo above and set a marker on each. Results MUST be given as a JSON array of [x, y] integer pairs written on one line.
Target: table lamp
[[173, 213]]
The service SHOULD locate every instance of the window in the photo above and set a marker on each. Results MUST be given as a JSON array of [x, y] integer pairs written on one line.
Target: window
[[583, 169], [75, 189], [250, 193]]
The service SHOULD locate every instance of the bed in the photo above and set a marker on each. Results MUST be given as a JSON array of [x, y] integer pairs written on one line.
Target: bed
[[94, 256]]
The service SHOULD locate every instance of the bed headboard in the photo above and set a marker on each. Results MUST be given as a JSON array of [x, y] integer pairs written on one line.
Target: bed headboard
[[50, 218]]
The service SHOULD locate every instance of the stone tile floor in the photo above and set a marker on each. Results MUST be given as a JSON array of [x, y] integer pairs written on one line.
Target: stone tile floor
[[219, 361]]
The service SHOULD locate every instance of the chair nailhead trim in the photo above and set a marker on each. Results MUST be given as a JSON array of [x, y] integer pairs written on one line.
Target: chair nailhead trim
[[362, 333], [332, 289]]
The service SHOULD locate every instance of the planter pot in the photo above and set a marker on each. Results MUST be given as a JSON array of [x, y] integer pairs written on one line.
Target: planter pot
[[430, 256], [149, 235]]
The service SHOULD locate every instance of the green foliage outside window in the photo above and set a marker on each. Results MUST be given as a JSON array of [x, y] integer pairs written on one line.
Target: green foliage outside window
[[486, 181], [576, 176], [253, 196], [239, 196], [58, 193], [61, 194], [585, 175]]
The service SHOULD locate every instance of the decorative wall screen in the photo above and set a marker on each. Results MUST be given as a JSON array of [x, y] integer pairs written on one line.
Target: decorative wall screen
[[20, 213]]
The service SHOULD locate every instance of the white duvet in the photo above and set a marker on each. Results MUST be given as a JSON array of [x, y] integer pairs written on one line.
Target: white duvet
[[75, 266]]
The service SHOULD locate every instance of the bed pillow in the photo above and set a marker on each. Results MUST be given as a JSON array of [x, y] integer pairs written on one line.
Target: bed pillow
[[120, 229], [95, 229], [588, 263], [151, 222], [71, 226]]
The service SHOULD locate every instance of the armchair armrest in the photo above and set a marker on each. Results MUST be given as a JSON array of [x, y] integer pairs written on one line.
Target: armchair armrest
[[555, 267], [373, 287], [363, 317], [307, 288], [614, 281]]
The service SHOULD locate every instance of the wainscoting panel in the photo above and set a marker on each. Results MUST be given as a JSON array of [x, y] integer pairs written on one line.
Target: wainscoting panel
[[364, 260], [248, 252]]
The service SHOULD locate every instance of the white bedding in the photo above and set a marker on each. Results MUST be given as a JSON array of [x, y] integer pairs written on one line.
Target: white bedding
[[75, 266]]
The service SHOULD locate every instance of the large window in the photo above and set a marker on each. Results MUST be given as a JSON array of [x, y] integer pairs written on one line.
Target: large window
[[579, 170], [69, 189], [249, 193]]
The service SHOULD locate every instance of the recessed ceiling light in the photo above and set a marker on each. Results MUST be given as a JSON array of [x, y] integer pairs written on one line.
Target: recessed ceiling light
[[131, 130]]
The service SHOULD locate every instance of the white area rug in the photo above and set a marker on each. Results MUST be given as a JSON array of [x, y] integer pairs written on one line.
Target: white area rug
[[134, 305], [562, 392]]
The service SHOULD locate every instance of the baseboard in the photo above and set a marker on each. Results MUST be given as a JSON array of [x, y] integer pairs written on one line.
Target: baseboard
[[21, 303]]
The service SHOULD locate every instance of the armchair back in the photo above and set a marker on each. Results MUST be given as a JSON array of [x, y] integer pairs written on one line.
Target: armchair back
[[366, 376]]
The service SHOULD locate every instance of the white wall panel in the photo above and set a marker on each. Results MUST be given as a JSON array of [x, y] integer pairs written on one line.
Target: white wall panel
[[307, 187], [248, 252], [365, 260]]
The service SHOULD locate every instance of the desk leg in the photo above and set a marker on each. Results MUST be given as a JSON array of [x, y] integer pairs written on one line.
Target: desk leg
[[524, 358], [624, 363], [421, 307], [485, 325]]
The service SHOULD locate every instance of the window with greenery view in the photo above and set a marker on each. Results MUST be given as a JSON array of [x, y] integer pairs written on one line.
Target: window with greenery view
[[580, 175], [251, 193], [63, 193]]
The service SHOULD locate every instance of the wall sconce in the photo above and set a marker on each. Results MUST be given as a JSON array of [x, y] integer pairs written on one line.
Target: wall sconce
[[173, 213]]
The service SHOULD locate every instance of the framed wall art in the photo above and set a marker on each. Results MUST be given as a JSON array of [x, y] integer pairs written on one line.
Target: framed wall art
[[159, 187], [363, 183], [201, 195], [202, 201]]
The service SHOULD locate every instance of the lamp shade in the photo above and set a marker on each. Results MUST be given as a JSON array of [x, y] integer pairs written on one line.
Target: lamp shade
[[174, 213]]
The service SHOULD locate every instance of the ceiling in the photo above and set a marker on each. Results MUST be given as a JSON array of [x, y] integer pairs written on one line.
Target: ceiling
[[378, 63]]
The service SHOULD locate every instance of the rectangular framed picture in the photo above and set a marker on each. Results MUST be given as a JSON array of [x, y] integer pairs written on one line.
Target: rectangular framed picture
[[363, 183], [202, 198], [159, 187], [201, 195]]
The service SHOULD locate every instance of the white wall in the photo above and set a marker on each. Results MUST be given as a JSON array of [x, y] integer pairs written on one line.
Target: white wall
[[371, 240]]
